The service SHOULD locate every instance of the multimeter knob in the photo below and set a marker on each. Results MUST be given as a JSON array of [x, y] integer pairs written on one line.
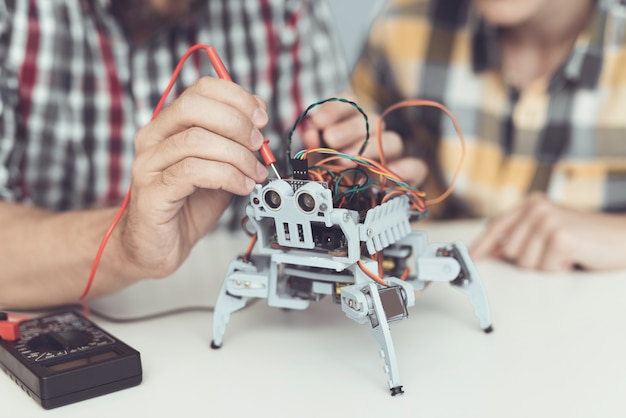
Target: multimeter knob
[[59, 340]]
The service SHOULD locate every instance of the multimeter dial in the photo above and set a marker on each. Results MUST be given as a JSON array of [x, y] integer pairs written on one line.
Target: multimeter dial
[[58, 340]]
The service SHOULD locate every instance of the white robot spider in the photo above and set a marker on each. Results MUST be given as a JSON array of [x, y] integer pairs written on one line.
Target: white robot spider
[[309, 248]]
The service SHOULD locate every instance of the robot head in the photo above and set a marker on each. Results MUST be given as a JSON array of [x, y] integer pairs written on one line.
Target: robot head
[[298, 207]]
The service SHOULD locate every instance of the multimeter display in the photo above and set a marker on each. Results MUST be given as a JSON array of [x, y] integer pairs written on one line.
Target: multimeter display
[[64, 358]]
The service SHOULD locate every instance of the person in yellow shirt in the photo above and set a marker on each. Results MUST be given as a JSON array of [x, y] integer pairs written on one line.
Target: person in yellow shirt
[[539, 89]]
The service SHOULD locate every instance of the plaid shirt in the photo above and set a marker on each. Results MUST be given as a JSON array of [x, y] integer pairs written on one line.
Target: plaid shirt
[[74, 89], [564, 135]]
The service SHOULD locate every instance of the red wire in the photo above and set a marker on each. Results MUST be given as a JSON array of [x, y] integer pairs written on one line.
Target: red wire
[[420, 102], [221, 71]]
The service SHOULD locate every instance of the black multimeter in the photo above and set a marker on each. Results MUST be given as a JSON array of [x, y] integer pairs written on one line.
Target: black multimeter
[[64, 358]]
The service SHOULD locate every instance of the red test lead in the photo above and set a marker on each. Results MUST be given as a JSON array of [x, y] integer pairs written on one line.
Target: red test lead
[[222, 72], [268, 156]]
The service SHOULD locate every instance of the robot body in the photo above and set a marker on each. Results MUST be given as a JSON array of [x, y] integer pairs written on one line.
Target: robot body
[[308, 249]]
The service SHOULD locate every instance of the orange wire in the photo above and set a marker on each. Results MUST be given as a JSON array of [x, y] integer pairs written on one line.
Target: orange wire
[[317, 175], [244, 223], [375, 166], [379, 259], [405, 274], [417, 196], [329, 159], [370, 274], [220, 69], [390, 195], [420, 102], [253, 240]]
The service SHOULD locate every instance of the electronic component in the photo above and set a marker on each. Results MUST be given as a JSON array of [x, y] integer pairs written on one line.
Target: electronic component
[[64, 358], [300, 169]]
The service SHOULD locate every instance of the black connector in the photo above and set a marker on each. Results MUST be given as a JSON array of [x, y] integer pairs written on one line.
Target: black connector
[[300, 169], [397, 390]]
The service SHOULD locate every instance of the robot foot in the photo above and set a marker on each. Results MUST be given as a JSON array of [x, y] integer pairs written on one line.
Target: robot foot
[[488, 330], [215, 346], [397, 390]]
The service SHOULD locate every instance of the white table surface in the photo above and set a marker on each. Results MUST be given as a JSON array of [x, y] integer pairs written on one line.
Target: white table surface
[[558, 350]]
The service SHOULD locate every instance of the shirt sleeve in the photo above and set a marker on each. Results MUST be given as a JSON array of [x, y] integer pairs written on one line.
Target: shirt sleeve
[[8, 105], [372, 78], [331, 67]]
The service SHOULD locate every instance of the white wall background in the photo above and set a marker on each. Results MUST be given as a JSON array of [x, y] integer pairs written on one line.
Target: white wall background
[[352, 20]]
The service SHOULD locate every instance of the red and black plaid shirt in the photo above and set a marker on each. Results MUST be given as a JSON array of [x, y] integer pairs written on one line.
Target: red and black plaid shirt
[[74, 90]]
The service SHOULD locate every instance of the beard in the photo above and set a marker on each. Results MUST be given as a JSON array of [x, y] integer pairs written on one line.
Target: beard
[[154, 11]]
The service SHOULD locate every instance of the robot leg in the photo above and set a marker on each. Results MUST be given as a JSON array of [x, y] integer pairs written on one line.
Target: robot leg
[[243, 281], [362, 303], [469, 282]]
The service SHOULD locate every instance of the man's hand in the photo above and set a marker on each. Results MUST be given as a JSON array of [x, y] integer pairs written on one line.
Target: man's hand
[[342, 128], [542, 235], [190, 159]]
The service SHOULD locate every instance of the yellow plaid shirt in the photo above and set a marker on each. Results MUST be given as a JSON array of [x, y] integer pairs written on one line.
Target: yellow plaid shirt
[[564, 135]]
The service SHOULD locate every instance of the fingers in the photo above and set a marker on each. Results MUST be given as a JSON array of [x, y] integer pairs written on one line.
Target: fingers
[[345, 134], [332, 112], [189, 160], [183, 178], [531, 251], [205, 138], [531, 236], [497, 229], [542, 235], [261, 102], [348, 136], [342, 132], [412, 170], [212, 104], [557, 256], [202, 158], [525, 241], [341, 125]]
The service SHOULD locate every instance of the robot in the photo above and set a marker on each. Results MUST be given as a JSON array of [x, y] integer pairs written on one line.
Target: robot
[[309, 248]]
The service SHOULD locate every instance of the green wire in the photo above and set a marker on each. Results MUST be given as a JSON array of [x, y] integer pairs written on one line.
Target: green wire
[[332, 99], [319, 167], [366, 185]]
